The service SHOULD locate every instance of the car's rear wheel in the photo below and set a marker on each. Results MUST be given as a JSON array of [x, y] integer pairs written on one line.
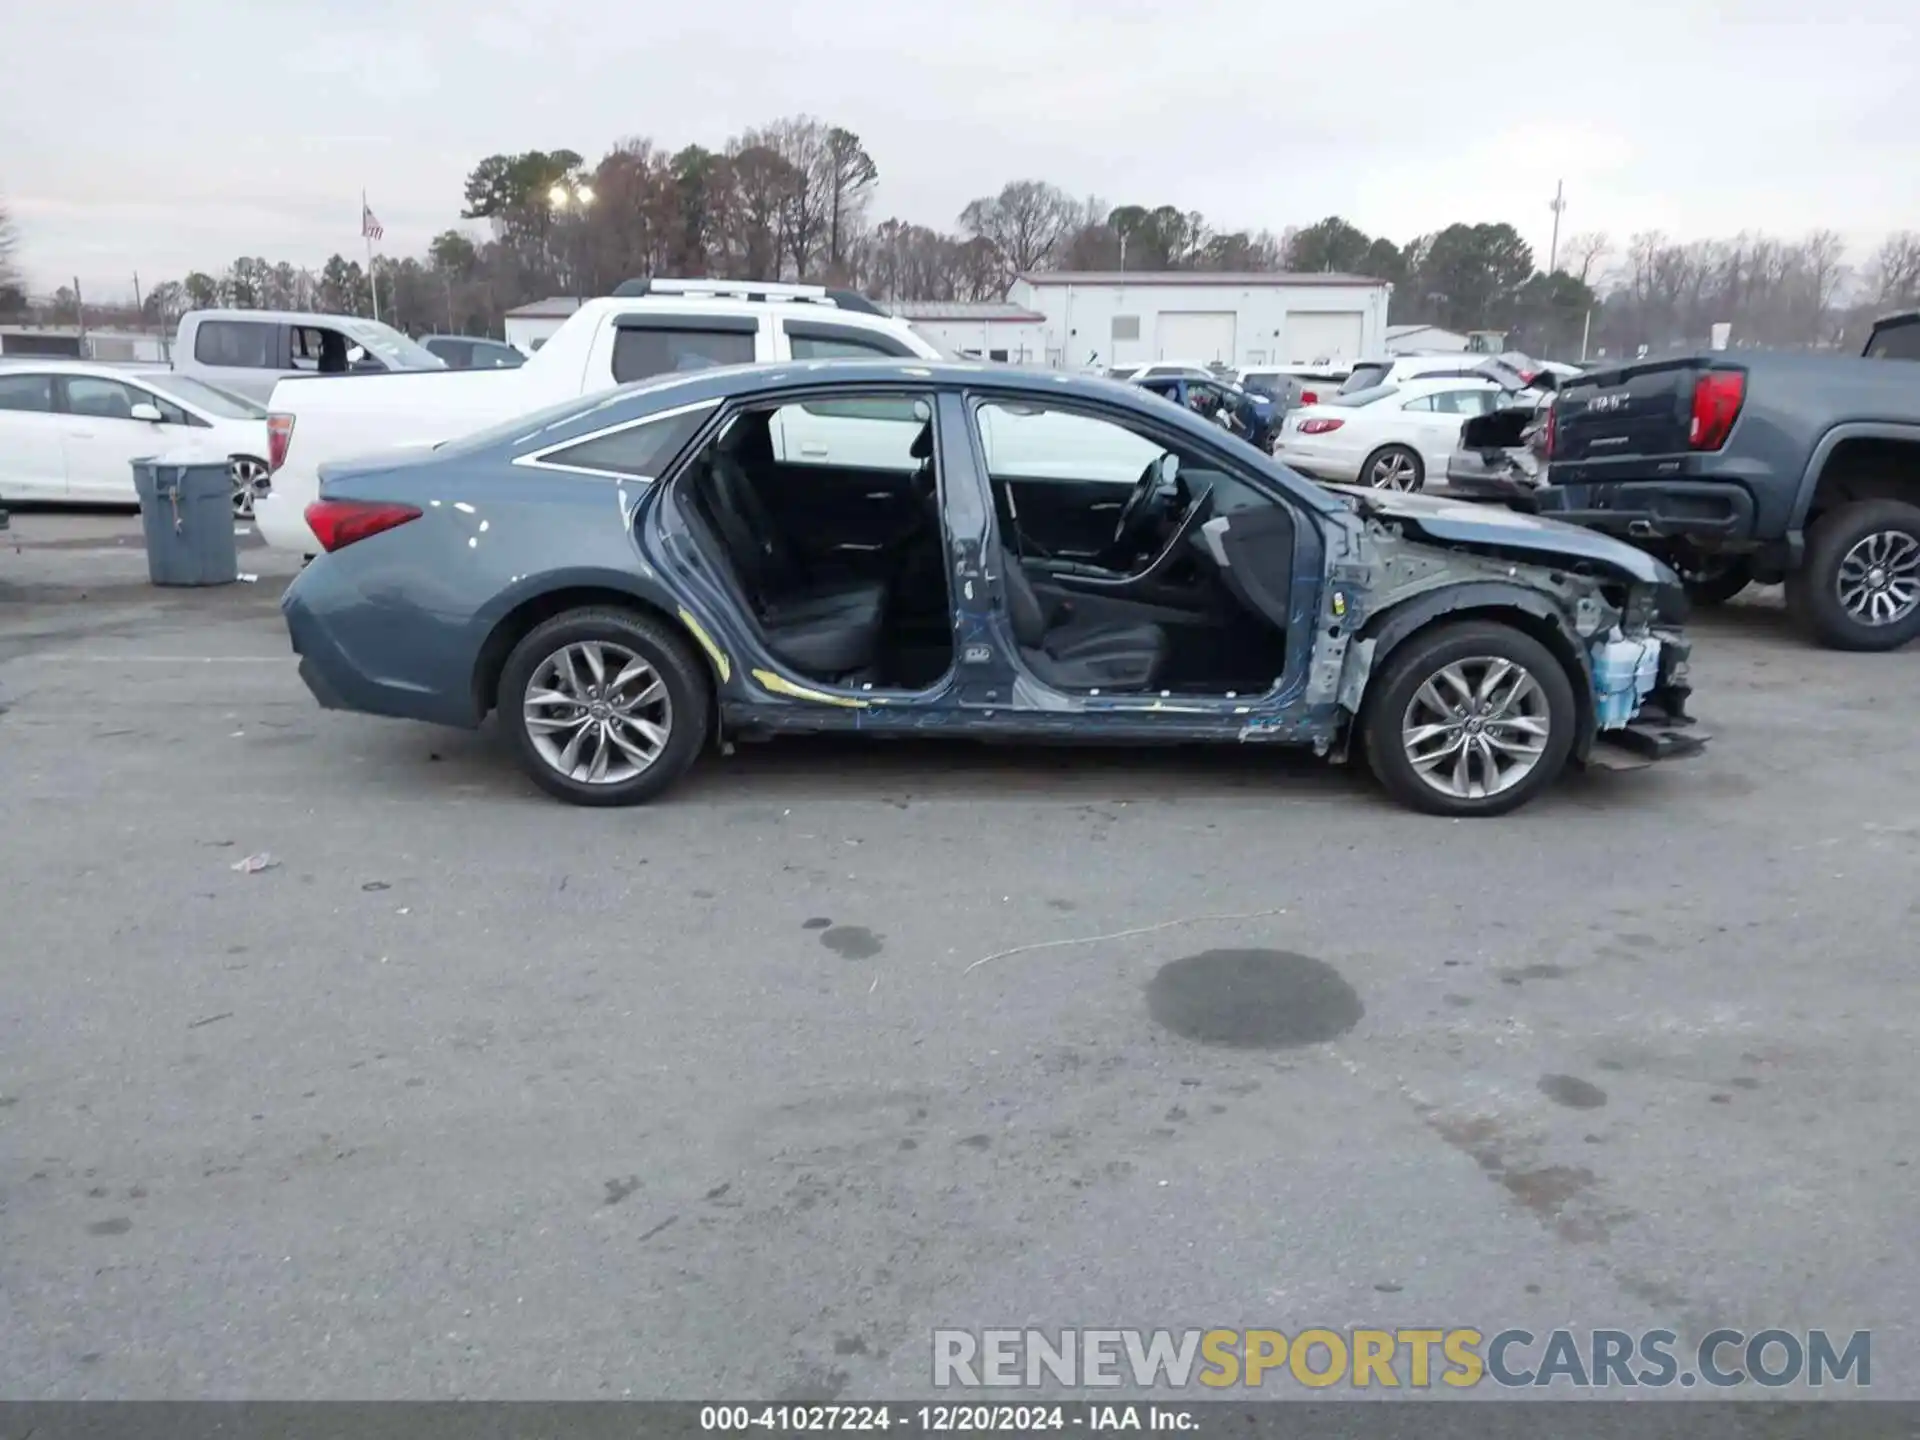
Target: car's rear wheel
[[251, 479], [1859, 586], [604, 707], [1394, 467], [1469, 719]]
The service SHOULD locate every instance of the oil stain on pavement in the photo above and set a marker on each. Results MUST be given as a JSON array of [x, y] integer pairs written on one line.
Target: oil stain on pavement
[[1253, 999], [1573, 1092], [852, 942]]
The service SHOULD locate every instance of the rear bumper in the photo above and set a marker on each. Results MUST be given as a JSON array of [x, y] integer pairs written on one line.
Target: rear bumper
[[1473, 477], [1699, 510], [281, 518], [316, 607]]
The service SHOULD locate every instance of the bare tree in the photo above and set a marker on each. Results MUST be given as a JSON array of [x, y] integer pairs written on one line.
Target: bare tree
[[801, 142], [1024, 223], [9, 270], [1895, 273], [763, 181], [1582, 254], [848, 177]]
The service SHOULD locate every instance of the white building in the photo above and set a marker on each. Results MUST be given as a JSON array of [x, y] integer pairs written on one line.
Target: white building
[[530, 326], [988, 330], [1424, 340], [1099, 318]]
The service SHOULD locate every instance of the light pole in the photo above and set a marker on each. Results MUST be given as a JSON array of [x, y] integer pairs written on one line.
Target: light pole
[[576, 196]]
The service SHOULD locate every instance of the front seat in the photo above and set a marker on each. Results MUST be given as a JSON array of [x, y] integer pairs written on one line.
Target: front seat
[[1080, 654], [827, 631]]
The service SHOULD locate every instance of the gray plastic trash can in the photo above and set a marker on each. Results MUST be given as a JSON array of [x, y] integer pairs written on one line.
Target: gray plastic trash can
[[186, 507]]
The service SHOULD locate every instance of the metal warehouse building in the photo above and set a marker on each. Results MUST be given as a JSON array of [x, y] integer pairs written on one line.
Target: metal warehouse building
[[1098, 318], [980, 330]]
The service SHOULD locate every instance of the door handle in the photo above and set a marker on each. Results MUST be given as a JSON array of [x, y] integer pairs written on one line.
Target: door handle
[[880, 494], [1105, 505], [815, 451]]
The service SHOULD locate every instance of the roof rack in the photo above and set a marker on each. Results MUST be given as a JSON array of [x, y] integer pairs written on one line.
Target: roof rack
[[758, 291]]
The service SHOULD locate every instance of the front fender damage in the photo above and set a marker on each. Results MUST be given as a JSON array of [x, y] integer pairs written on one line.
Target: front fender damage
[[1383, 587]]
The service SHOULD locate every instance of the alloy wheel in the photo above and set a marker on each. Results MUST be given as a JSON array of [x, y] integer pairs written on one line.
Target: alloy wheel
[[250, 482], [597, 712], [1476, 727], [1392, 472], [1878, 581]]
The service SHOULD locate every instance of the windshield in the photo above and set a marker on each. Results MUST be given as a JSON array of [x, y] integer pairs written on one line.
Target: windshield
[[1364, 377], [1363, 397], [390, 345], [221, 404], [1895, 340], [1122, 372]]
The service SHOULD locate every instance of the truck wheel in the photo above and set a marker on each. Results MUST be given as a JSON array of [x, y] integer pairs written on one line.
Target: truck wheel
[[1711, 579], [1469, 719], [1859, 587], [604, 707]]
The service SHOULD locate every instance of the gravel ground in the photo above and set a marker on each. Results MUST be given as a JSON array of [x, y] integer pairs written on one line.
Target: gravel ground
[[473, 1094]]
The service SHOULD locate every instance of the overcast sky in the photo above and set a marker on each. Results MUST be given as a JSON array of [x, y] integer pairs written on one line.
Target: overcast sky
[[168, 135]]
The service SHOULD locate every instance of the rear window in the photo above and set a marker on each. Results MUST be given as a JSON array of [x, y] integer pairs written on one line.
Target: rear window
[[1899, 340], [240, 344], [640, 353], [1363, 397], [1364, 377]]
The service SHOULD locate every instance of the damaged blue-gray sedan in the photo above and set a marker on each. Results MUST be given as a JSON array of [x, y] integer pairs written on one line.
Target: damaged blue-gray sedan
[[890, 546]]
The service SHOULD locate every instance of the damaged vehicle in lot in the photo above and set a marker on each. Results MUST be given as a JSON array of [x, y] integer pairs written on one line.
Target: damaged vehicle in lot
[[997, 555]]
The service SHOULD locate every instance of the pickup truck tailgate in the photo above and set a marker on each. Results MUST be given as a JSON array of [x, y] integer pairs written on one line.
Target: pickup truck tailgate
[[1639, 410]]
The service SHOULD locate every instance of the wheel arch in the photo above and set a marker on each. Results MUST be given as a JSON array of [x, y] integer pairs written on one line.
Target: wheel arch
[[558, 599], [1858, 461], [1514, 605]]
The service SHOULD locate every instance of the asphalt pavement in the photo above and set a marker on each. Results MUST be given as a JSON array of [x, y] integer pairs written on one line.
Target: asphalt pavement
[[469, 1093]]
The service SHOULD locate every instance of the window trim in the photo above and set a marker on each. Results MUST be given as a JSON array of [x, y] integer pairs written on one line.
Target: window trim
[[889, 347], [63, 399], [536, 459], [722, 324]]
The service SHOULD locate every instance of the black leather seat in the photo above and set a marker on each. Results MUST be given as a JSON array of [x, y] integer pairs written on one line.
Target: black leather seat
[[1080, 654], [825, 630]]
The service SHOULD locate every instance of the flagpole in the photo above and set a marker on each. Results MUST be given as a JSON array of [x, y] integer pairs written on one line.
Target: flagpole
[[373, 280]]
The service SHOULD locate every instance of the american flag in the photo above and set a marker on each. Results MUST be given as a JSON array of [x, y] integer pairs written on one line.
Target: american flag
[[370, 228]]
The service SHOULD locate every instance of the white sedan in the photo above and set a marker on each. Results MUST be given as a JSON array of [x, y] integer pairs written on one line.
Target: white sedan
[[70, 430], [1391, 437]]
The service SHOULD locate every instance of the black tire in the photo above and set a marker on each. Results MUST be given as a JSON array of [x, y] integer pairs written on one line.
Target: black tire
[[1813, 591], [684, 677], [1424, 656], [1711, 580], [1400, 453]]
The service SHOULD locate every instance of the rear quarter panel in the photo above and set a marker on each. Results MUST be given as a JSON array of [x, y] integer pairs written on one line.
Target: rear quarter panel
[[410, 609]]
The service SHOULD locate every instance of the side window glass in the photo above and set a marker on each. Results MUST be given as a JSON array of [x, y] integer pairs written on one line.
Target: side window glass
[[1424, 403], [640, 353], [1028, 442], [243, 344], [844, 345], [641, 450], [865, 434], [98, 399], [26, 392], [170, 413]]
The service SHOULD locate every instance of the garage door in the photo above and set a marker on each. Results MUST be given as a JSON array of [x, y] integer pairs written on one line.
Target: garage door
[[1322, 335], [1198, 336]]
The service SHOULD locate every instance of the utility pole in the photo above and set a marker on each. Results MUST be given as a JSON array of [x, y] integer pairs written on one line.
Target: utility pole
[[1559, 204], [79, 309]]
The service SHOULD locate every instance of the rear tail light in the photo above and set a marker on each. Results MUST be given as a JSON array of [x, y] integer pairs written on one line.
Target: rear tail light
[[1553, 427], [1717, 398], [1309, 397], [1319, 427], [279, 436], [337, 524]]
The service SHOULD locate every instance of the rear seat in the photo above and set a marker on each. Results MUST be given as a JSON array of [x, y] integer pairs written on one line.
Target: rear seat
[[823, 630]]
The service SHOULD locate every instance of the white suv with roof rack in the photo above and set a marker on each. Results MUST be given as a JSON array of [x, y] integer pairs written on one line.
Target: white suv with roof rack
[[645, 328]]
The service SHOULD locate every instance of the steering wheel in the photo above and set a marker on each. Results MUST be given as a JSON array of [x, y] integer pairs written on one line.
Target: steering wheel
[[1137, 514]]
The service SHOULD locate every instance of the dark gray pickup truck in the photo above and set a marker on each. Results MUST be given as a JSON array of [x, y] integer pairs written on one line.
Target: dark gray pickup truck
[[1760, 466]]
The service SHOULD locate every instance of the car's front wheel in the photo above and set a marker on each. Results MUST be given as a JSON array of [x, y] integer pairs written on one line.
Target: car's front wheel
[[604, 707], [1469, 719], [1859, 586]]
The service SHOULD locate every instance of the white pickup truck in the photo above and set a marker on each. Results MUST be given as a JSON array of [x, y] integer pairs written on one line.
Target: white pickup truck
[[644, 328]]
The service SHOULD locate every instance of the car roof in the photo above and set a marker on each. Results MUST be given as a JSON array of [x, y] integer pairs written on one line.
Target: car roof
[[1419, 385], [67, 365], [742, 382]]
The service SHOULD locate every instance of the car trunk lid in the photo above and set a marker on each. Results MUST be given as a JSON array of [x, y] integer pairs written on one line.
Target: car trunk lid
[[1646, 409]]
